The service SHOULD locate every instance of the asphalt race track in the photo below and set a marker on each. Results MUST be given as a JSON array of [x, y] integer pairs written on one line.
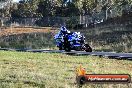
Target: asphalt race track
[[114, 55]]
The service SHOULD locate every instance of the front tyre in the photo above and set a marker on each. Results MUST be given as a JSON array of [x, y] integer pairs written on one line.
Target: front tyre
[[88, 48]]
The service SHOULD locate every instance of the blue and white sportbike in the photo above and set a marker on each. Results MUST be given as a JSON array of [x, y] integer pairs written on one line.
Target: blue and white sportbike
[[66, 40]]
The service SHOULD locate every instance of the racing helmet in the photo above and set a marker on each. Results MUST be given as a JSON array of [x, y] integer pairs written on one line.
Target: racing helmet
[[64, 30]]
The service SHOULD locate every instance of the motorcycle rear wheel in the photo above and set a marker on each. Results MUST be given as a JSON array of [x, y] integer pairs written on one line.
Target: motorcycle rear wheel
[[67, 47]]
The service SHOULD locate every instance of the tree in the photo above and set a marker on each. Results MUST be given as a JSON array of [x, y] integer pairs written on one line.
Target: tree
[[45, 8], [72, 10], [67, 9], [26, 8], [6, 8]]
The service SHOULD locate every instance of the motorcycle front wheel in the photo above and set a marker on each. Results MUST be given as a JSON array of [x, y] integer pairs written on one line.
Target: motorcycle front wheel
[[88, 48]]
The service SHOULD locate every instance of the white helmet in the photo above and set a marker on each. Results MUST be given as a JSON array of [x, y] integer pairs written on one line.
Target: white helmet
[[64, 30]]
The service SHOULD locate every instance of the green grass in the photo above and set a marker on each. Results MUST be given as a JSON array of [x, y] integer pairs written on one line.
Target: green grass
[[54, 70], [29, 40]]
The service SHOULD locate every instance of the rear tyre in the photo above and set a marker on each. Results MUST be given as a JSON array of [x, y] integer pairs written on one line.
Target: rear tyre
[[67, 49], [60, 47], [88, 48]]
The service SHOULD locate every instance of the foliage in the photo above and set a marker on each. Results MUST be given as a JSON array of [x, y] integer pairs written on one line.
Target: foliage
[[42, 8], [96, 11], [72, 22]]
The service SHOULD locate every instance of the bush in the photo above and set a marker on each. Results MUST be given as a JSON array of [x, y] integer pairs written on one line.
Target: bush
[[71, 23]]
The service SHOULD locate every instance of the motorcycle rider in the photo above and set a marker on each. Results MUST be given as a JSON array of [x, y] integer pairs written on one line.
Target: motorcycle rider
[[63, 31], [59, 37]]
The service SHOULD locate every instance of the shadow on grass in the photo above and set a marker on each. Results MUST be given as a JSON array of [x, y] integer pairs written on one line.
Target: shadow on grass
[[30, 83]]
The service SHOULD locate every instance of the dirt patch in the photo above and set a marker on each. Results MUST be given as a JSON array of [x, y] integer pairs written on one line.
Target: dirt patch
[[21, 30]]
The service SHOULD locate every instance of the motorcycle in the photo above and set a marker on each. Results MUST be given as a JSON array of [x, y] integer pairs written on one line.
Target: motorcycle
[[72, 41]]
